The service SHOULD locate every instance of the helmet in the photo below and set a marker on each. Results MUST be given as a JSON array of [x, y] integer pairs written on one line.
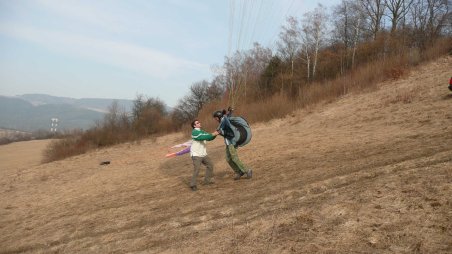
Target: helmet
[[218, 114]]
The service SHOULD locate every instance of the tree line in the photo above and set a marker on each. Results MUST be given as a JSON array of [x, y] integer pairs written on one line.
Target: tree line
[[320, 45], [316, 56], [323, 45]]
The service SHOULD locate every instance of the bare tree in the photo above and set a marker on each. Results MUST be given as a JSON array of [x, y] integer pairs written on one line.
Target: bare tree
[[289, 43], [438, 15], [116, 117], [306, 51], [255, 62], [356, 35], [374, 10], [236, 73], [429, 19], [258, 58], [198, 95], [192, 103], [348, 23], [111, 118], [147, 114], [243, 70], [142, 103], [314, 27], [397, 10], [189, 106], [266, 84], [342, 17]]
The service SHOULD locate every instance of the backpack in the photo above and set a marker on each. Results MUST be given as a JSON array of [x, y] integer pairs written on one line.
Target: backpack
[[242, 132]]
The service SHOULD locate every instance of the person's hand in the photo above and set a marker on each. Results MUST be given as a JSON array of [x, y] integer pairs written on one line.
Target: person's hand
[[215, 133]]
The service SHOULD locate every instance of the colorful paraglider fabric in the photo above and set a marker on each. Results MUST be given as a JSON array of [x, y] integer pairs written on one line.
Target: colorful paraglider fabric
[[450, 84], [186, 149]]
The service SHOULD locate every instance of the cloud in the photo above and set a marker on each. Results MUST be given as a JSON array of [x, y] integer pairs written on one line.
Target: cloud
[[83, 13], [117, 17], [149, 61]]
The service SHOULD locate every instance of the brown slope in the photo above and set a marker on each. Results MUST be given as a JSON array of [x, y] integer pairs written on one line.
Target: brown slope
[[370, 173], [21, 154]]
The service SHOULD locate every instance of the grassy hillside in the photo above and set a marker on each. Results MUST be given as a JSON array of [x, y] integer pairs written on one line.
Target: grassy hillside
[[369, 173]]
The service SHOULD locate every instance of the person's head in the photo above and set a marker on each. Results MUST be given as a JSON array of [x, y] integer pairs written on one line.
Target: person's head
[[218, 115], [196, 124]]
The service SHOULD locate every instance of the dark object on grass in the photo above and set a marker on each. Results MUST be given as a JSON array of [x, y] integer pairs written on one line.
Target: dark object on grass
[[105, 163]]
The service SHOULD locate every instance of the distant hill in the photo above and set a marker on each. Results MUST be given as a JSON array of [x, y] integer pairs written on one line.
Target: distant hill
[[31, 112], [95, 104]]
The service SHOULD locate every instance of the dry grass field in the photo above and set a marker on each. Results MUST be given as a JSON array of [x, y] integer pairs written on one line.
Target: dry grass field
[[21, 155], [4, 133], [369, 173]]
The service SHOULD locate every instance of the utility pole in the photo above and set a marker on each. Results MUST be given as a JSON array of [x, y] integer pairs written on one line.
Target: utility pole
[[53, 124]]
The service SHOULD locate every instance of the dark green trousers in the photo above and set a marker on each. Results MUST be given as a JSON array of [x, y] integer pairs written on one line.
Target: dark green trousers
[[233, 160]]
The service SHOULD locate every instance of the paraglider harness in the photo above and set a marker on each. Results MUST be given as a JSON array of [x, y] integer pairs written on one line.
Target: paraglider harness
[[240, 131]]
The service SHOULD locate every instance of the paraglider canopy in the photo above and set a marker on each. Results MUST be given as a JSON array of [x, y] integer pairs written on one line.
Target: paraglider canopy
[[186, 149]]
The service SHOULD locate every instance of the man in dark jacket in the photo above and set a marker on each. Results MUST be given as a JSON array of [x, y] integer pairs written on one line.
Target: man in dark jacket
[[225, 129]]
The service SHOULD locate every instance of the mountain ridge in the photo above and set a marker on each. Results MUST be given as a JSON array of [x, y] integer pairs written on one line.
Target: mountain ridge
[[96, 104], [32, 112]]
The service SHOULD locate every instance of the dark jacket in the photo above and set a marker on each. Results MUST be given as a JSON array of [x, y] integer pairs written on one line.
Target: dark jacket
[[226, 129]]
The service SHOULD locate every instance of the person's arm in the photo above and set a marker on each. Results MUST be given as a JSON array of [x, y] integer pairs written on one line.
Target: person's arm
[[221, 127], [200, 135]]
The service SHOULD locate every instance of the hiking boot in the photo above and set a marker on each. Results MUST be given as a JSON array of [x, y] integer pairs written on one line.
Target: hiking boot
[[194, 188], [249, 174], [238, 175]]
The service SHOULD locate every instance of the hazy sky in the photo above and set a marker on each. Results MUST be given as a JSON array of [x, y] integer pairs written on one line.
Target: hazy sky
[[118, 49]]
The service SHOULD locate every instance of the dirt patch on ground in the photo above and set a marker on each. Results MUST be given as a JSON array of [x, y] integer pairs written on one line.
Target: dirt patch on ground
[[370, 173]]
